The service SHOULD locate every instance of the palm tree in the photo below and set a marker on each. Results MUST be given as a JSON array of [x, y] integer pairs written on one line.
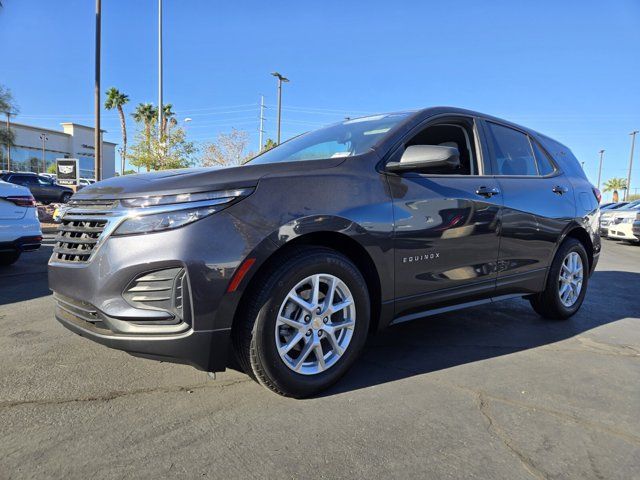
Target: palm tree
[[167, 114], [117, 99], [614, 185], [146, 113]]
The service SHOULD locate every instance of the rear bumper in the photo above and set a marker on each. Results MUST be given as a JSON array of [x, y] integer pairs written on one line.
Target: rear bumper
[[22, 244]]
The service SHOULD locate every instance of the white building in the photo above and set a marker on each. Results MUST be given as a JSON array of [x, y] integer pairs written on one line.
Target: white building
[[75, 141]]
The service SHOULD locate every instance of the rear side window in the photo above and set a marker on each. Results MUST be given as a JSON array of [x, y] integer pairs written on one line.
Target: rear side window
[[512, 151], [544, 164]]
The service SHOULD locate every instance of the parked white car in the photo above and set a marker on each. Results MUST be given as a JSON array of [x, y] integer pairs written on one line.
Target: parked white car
[[621, 224], [607, 216], [19, 224]]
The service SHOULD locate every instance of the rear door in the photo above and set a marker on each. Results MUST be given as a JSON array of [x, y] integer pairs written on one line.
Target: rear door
[[446, 225], [538, 205]]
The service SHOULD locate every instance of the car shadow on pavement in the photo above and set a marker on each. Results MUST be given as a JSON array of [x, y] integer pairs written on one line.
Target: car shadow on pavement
[[447, 340], [26, 279]]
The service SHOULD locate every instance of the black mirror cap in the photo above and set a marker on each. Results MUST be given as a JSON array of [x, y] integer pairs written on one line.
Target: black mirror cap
[[426, 156]]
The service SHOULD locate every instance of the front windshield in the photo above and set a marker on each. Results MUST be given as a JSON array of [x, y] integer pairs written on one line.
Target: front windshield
[[345, 139]]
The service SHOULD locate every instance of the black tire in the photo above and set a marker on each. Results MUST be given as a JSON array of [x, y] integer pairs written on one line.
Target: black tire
[[9, 258], [64, 198], [254, 336], [547, 303]]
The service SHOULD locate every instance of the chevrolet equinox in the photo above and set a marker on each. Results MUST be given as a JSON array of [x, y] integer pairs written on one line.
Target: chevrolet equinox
[[289, 261]]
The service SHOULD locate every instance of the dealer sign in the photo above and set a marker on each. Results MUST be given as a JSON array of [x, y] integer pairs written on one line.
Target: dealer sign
[[67, 171]]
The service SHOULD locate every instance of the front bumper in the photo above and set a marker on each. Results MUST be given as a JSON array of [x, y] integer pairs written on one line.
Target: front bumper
[[91, 301], [190, 347], [622, 231]]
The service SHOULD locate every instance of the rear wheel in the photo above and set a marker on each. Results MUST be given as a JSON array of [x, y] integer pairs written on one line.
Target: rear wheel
[[566, 282], [9, 258], [306, 323]]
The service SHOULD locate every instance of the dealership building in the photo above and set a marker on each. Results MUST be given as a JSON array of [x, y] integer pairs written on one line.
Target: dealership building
[[36, 149]]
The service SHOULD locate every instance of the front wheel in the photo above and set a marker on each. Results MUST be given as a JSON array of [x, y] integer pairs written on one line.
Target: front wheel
[[305, 324], [566, 282], [65, 197]]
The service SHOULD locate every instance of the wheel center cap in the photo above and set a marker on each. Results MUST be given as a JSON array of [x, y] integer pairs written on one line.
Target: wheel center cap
[[317, 323]]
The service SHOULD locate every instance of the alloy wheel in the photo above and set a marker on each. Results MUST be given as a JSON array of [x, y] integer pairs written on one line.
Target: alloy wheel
[[570, 280], [315, 324]]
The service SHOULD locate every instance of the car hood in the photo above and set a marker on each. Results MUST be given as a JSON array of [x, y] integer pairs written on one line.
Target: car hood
[[168, 182], [625, 214]]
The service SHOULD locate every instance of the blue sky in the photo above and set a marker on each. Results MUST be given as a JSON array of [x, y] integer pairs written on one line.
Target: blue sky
[[569, 69]]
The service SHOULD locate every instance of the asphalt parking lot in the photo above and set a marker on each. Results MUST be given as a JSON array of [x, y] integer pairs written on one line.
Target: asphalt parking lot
[[490, 392]]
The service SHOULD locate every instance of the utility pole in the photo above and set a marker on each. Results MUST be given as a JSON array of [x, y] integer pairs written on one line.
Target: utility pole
[[633, 143], [160, 112], [96, 134], [261, 123], [600, 168], [44, 138], [280, 80], [8, 143]]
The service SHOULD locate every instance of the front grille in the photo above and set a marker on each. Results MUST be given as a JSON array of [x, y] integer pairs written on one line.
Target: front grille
[[77, 237]]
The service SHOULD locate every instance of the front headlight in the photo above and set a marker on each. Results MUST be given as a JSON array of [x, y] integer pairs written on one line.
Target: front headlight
[[155, 214], [627, 220], [163, 221]]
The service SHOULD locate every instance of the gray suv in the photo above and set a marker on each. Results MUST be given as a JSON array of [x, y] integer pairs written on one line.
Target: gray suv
[[290, 261]]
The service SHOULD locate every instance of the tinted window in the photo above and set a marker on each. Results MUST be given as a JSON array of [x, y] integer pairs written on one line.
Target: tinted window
[[23, 179], [544, 165], [512, 151]]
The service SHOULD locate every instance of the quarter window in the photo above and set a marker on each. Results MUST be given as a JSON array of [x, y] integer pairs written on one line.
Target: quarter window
[[512, 151], [544, 165]]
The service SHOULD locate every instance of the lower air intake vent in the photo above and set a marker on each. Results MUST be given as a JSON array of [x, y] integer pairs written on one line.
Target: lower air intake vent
[[166, 290]]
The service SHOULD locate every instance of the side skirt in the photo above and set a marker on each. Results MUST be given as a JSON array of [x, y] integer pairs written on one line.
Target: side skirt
[[452, 308]]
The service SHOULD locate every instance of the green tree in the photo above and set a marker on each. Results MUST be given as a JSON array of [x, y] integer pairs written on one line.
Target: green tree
[[145, 114], [269, 144], [8, 107], [168, 115], [615, 185], [173, 151], [229, 149], [116, 99]]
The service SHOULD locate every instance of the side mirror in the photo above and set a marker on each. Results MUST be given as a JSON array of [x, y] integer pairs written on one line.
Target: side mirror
[[417, 157]]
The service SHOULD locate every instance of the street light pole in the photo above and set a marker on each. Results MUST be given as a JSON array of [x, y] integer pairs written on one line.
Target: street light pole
[[633, 143], [44, 138], [160, 112], [96, 134], [280, 80], [600, 168]]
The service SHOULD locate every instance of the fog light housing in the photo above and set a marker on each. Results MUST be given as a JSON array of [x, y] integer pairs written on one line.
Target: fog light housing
[[164, 290]]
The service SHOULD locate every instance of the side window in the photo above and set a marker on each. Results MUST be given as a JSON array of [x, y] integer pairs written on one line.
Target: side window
[[544, 165], [512, 151], [29, 180], [450, 135]]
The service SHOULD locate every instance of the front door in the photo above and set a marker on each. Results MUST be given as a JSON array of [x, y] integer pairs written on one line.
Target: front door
[[446, 233]]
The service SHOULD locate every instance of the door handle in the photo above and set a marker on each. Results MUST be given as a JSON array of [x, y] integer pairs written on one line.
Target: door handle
[[487, 191], [559, 189]]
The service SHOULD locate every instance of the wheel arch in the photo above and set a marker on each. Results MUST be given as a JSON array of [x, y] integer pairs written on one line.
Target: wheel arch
[[337, 241], [579, 233]]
